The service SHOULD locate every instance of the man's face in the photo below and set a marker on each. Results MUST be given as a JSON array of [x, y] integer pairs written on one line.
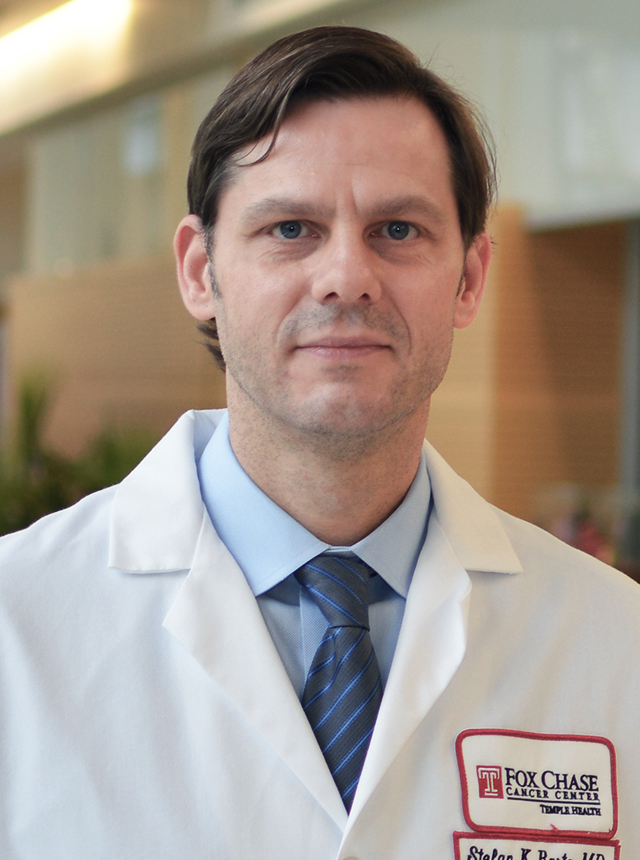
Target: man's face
[[340, 269]]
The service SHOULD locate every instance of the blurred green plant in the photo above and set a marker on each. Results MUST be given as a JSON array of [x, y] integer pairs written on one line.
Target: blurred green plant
[[34, 480]]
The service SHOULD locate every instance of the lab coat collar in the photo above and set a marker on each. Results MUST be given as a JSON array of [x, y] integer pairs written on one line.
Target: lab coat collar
[[157, 510], [471, 524]]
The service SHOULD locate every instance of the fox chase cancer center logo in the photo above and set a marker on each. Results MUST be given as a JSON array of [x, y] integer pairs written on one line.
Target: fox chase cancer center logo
[[528, 785], [490, 781], [526, 782]]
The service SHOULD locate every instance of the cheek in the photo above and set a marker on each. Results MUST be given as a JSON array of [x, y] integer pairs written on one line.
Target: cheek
[[429, 317], [252, 298], [247, 323]]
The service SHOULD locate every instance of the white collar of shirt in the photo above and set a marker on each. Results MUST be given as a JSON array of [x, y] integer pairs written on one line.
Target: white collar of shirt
[[269, 544]]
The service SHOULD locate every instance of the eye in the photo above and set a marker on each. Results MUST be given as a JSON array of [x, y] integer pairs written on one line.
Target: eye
[[398, 230], [290, 230]]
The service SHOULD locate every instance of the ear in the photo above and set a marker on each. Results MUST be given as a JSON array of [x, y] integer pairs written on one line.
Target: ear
[[193, 268], [474, 277]]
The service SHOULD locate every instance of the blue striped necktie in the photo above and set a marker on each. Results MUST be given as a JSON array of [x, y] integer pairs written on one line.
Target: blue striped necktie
[[343, 689]]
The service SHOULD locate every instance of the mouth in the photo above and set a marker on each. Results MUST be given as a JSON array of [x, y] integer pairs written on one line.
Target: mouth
[[343, 348]]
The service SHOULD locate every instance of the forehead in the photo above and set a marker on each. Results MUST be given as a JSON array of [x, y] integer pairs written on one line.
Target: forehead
[[383, 145]]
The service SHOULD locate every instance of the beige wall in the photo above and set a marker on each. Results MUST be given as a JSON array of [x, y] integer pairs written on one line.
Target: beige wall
[[462, 419], [117, 345], [12, 217], [558, 343], [532, 397]]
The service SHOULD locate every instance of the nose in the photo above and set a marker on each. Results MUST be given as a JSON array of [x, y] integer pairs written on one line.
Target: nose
[[347, 271]]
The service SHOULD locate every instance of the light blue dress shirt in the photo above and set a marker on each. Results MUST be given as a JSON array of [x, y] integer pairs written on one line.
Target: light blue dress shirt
[[269, 545]]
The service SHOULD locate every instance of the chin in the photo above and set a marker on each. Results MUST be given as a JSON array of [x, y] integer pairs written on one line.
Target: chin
[[348, 420]]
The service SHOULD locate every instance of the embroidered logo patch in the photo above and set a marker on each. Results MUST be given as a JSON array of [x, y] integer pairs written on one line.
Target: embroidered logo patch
[[473, 846], [533, 783]]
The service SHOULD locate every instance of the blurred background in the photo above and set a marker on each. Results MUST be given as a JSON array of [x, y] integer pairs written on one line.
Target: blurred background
[[99, 102]]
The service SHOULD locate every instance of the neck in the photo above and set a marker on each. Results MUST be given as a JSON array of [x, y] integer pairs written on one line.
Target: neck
[[341, 489]]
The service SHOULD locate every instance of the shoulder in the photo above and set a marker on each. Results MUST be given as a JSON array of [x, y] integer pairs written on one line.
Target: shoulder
[[523, 575], [487, 538], [56, 543], [62, 527], [563, 586], [153, 511], [162, 480], [539, 550]]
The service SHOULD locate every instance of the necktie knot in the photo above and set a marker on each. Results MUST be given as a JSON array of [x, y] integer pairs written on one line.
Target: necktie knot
[[339, 587]]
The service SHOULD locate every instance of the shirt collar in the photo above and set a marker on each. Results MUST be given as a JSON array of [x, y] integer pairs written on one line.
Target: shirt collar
[[269, 544]]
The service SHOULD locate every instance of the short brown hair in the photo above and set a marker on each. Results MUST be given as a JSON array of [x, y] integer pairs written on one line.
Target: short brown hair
[[334, 63]]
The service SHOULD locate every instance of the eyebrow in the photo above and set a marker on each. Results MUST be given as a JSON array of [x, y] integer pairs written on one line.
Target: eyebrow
[[396, 207], [384, 207], [281, 205]]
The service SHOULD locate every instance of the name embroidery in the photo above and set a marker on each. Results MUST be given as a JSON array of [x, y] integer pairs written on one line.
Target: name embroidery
[[474, 846]]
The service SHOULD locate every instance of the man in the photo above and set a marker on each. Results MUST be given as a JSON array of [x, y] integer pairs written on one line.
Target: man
[[293, 631]]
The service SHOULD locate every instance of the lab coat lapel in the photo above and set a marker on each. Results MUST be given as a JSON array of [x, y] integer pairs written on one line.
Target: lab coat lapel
[[159, 523], [216, 617], [464, 535], [430, 648]]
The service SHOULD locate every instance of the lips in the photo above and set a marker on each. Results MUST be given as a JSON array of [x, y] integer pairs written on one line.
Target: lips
[[338, 343], [342, 348], [366, 341]]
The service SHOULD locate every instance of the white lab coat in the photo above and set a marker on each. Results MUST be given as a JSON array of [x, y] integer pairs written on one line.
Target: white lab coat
[[146, 715]]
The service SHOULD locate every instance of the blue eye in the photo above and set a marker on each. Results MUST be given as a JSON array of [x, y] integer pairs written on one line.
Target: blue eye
[[289, 229], [398, 229]]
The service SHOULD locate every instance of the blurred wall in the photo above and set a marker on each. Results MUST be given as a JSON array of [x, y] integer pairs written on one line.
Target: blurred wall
[[115, 344], [533, 392]]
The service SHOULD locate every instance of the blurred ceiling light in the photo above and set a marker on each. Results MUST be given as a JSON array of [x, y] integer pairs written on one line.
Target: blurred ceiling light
[[86, 25]]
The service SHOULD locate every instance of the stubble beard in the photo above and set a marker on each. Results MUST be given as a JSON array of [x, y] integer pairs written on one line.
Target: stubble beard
[[342, 428]]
